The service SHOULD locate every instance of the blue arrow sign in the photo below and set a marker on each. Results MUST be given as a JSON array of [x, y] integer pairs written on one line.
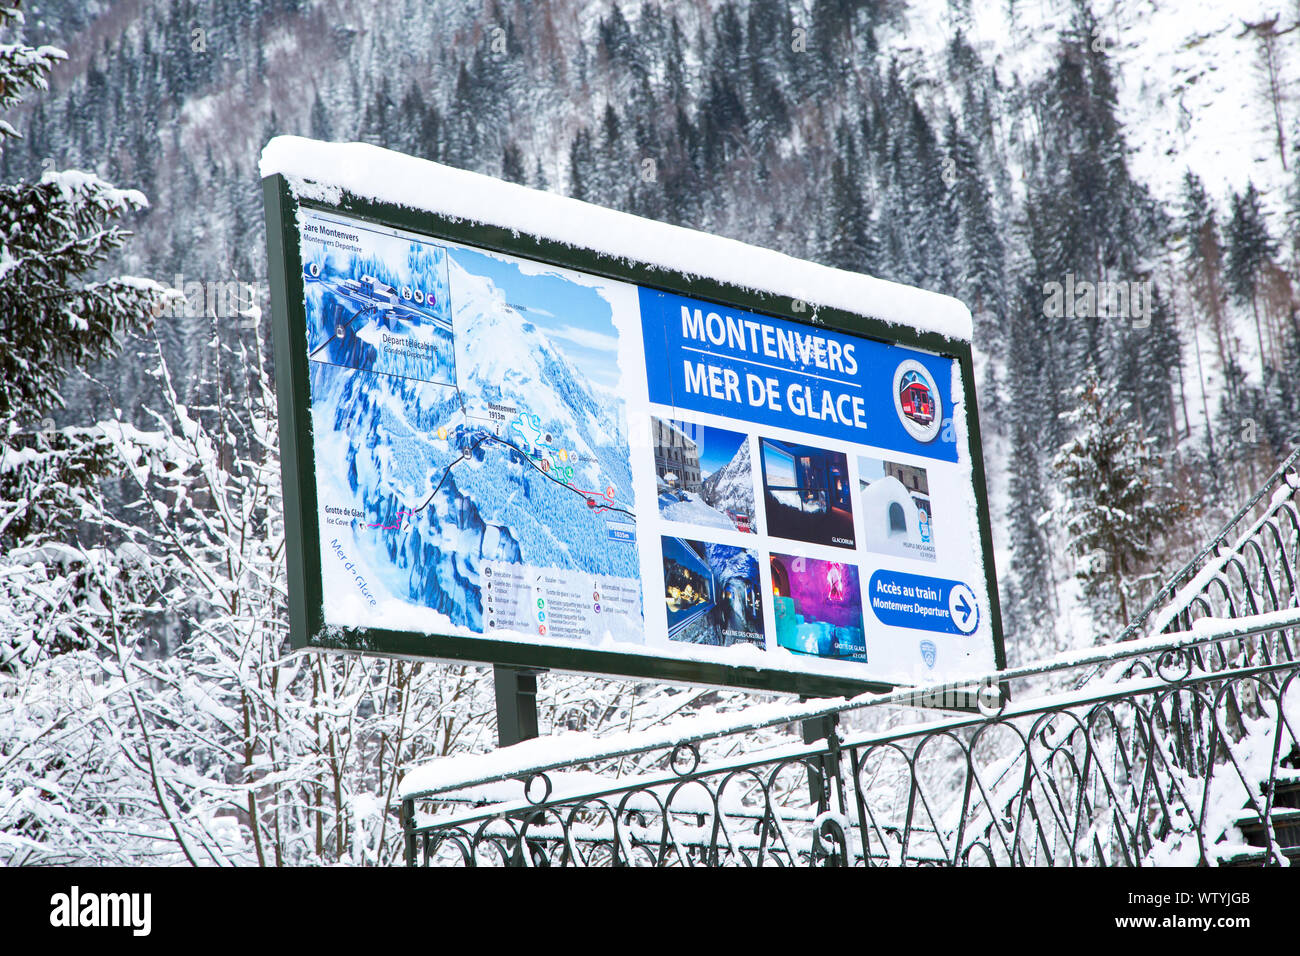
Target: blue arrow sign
[[922, 603]]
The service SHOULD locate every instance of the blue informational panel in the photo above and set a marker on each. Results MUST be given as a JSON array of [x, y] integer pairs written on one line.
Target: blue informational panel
[[544, 463], [768, 371]]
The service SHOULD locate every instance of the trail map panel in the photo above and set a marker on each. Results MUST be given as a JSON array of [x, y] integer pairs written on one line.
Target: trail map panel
[[471, 445]]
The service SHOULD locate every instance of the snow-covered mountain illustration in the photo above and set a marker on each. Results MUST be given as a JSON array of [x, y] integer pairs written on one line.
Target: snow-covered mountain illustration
[[508, 360], [445, 484], [385, 310]]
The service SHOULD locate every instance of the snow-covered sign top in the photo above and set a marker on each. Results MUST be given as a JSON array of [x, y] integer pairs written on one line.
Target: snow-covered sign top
[[321, 171]]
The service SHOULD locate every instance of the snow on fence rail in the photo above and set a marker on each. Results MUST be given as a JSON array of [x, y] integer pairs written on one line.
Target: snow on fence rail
[[1154, 758], [545, 754]]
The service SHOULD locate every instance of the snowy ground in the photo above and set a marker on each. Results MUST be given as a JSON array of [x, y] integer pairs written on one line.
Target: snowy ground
[[693, 511]]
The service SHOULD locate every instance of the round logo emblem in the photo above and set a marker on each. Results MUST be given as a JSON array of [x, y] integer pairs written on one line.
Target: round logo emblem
[[917, 401]]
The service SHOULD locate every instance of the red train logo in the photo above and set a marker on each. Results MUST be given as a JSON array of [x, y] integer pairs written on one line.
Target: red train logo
[[916, 399]]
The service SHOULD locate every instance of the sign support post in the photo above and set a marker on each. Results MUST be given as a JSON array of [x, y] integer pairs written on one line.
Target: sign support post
[[516, 693], [815, 729]]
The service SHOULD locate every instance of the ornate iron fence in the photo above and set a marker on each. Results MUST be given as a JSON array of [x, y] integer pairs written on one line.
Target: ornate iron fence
[[1175, 748]]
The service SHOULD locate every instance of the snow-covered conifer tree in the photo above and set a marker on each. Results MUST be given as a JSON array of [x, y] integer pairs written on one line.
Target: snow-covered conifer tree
[[54, 233], [1117, 507], [54, 318], [69, 607]]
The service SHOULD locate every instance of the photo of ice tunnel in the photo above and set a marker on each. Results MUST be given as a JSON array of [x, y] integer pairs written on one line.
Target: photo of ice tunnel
[[818, 607], [712, 593]]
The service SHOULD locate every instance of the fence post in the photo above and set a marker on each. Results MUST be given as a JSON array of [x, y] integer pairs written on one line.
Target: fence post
[[408, 830], [818, 728]]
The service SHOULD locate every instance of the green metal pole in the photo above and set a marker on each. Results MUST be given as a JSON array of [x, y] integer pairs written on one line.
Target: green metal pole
[[516, 693]]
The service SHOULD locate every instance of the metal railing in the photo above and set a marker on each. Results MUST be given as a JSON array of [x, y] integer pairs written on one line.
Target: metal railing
[[1172, 748]]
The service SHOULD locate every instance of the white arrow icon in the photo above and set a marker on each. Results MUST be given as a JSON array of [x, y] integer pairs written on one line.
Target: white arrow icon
[[961, 605]]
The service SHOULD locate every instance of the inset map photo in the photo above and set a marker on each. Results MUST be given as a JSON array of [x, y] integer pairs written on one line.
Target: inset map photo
[[377, 300], [897, 516], [703, 475], [806, 493], [818, 607], [712, 593]]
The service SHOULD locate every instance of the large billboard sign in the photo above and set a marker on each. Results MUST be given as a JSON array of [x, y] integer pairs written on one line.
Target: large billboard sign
[[523, 430]]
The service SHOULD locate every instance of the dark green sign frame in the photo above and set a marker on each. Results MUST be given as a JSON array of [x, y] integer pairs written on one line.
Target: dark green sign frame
[[307, 628]]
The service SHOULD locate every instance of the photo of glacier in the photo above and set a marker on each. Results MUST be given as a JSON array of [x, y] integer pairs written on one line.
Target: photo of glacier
[[521, 457], [703, 475]]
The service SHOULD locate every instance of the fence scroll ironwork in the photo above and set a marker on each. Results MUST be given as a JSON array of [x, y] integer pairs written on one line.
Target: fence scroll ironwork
[[1176, 744]]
